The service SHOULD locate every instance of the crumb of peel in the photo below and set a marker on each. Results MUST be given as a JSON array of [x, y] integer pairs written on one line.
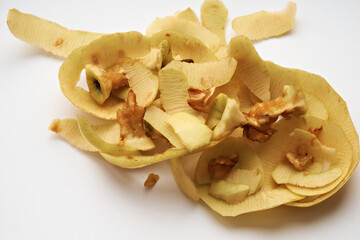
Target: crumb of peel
[[151, 180], [54, 126]]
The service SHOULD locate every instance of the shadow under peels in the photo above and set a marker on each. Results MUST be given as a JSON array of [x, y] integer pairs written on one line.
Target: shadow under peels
[[29, 51], [284, 216]]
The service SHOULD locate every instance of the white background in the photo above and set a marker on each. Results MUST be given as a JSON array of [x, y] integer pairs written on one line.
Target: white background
[[50, 190]]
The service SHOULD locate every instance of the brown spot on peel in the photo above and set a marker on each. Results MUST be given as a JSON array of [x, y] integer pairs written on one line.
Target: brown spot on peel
[[59, 42]]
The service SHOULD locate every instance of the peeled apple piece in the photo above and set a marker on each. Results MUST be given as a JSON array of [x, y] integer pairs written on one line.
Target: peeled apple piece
[[165, 54], [229, 192], [302, 141], [214, 16], [184, 182], [90, 135], [191, 131], [263, 24], [121, 92], [231, 118], [69, 130], [102, 52], [47, 35], [217, 109]]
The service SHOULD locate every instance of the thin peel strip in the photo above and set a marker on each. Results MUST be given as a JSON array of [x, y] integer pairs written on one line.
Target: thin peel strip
[[139, 161], [184, 45], [214, 16], [174, 92], [142, 81], [90, 135], [187, 27], [263, 24], [47, 35], [313, 191], [207, 75], [184, 182], [279, 77], [315, 107], [156, 118], [69, 130], [284, 173], [250, 69]]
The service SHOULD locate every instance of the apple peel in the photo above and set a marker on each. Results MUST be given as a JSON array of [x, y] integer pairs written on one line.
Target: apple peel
[[263, 24]]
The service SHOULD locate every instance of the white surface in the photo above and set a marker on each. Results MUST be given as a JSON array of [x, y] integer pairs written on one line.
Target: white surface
[[50, 190]]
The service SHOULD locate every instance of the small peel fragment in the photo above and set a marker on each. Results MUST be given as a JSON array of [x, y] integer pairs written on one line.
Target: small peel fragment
[[151, 180], [184, 182], [192, 132], [231, 193], [263, 24]]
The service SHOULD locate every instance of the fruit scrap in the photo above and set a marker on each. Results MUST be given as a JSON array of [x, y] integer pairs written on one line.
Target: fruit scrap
[[221, 166], [130, 117], [151, 180], [181, 83]]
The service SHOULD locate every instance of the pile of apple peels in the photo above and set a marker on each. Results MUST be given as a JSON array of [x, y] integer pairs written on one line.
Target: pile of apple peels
[[268, 135]]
